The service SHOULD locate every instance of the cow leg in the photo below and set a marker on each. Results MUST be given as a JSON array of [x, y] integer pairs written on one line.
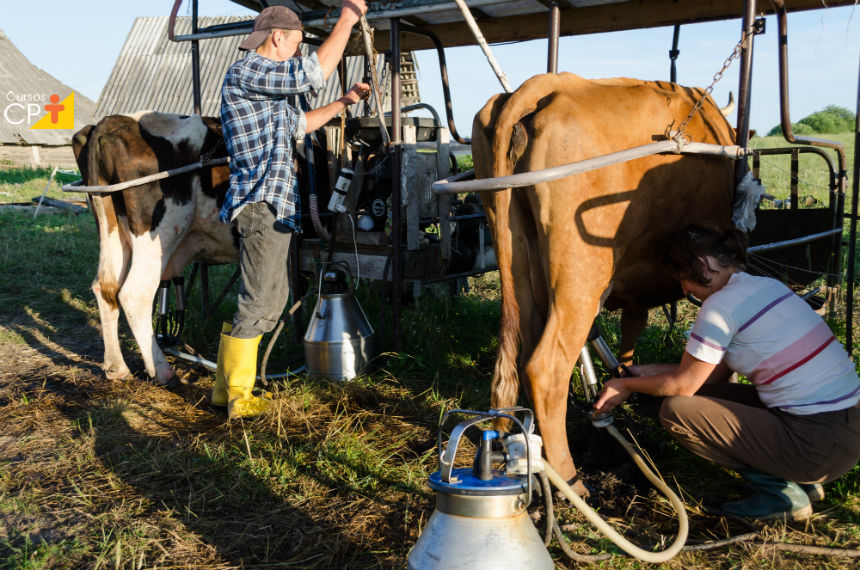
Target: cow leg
[[137, 296], [573, 305], [548, 376], [113, 262], [633, 321]]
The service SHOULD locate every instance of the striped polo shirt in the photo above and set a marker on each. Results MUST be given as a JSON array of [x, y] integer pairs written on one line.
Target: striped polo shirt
[[771, 336]]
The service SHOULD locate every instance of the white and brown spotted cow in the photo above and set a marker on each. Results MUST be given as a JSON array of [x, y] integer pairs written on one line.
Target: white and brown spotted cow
[[568, 247], [151, 232]]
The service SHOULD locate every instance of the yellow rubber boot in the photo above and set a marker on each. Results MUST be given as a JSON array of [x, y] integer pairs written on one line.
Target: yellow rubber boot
[[219, 391], [240, 372]]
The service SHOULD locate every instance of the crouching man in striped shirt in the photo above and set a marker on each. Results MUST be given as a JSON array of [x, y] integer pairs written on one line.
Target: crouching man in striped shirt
[[797, 424], [260, 127]]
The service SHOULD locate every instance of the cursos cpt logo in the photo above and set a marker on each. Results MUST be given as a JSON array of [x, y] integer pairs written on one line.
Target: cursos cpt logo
[[29, 108]]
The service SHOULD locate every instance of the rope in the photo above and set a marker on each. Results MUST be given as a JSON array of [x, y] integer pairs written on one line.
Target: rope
[[367, 37]]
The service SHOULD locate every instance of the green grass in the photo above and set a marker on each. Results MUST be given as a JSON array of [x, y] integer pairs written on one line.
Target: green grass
[[813, 173], [23, 184]]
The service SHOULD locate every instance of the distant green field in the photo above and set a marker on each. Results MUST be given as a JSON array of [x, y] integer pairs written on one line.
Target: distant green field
[[813, 174]]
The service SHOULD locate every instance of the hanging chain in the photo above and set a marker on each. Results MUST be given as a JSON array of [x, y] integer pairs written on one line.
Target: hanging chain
[[736, 52]]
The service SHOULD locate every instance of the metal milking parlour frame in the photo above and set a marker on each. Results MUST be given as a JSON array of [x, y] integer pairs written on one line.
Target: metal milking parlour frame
[[396, 12]]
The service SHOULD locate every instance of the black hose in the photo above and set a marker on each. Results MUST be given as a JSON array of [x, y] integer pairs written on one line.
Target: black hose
[[265, 362]]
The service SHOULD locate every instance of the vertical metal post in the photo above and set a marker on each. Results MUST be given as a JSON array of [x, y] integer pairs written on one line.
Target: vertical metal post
[[674, 53], [195, 60], [743, 125], [554, 31], [396, 180], [795, 166], [852, 233]]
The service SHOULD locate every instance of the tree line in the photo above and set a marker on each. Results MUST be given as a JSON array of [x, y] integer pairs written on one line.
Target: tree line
[[830, 120]]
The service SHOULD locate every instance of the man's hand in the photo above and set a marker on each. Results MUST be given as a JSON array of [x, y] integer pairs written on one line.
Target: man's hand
[[358, 92], [353, 9], [614, 392]]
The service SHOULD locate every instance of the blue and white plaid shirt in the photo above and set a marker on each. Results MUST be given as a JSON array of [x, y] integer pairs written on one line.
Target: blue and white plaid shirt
[[259, 127]]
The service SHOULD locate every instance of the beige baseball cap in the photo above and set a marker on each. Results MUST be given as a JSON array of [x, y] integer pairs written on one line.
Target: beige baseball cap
[[273, 17]]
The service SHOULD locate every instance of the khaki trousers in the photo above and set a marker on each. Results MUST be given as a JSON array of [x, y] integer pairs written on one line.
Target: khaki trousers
[[728, 424]]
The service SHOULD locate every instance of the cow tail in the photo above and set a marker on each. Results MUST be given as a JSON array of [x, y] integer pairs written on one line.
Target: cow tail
[[106, 283], [506, 380]]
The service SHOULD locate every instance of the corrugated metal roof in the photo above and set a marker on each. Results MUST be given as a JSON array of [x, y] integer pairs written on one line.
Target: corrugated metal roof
[[22, 78], [154, 73]]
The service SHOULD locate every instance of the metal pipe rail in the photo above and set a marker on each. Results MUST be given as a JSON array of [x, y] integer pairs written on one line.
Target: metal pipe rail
[[791, 242], [450, 186], [443, 70], [78, 185]]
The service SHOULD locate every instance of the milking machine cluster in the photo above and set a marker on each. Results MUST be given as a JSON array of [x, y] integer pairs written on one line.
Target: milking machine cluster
[[481, 518], [170, 322]]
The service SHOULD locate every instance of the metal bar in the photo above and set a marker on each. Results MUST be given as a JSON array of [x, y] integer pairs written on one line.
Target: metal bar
[[785, 117], [795, 164], [204, 286], [396, 182], [852, 232], [298, 286], [45, 191], [756, 165], [226, 289], [449, 276], [78, 186], [554, 31], [386, 10], [742, 133], [840, 183], [790, 242], [446, 90], [485, 47], [195, 60], [449, 186], [208, 33], [674, 53]]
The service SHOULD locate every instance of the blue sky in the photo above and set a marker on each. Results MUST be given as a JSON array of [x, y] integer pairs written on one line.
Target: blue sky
[[78, 43]]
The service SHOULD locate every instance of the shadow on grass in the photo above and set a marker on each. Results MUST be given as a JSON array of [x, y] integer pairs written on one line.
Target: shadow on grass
[[224, 501]]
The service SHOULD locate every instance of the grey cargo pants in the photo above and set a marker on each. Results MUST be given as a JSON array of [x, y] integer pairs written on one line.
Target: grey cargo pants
[[264, 244]]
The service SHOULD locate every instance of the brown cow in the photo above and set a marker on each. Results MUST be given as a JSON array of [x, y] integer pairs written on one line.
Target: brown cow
[[568, 247], [149, 233]]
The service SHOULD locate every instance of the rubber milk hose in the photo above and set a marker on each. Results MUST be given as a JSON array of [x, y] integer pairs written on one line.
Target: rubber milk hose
[[611, 533]]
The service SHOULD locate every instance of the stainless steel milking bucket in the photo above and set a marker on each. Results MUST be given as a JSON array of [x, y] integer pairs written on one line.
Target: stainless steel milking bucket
[[480, 521], [339, 339]]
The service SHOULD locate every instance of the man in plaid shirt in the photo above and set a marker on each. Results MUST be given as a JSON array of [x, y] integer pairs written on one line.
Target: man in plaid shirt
[[263, 200]]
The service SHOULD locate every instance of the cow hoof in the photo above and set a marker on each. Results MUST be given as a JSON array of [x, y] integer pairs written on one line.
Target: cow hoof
[[579, 487], [120, 373], [167, 378]]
